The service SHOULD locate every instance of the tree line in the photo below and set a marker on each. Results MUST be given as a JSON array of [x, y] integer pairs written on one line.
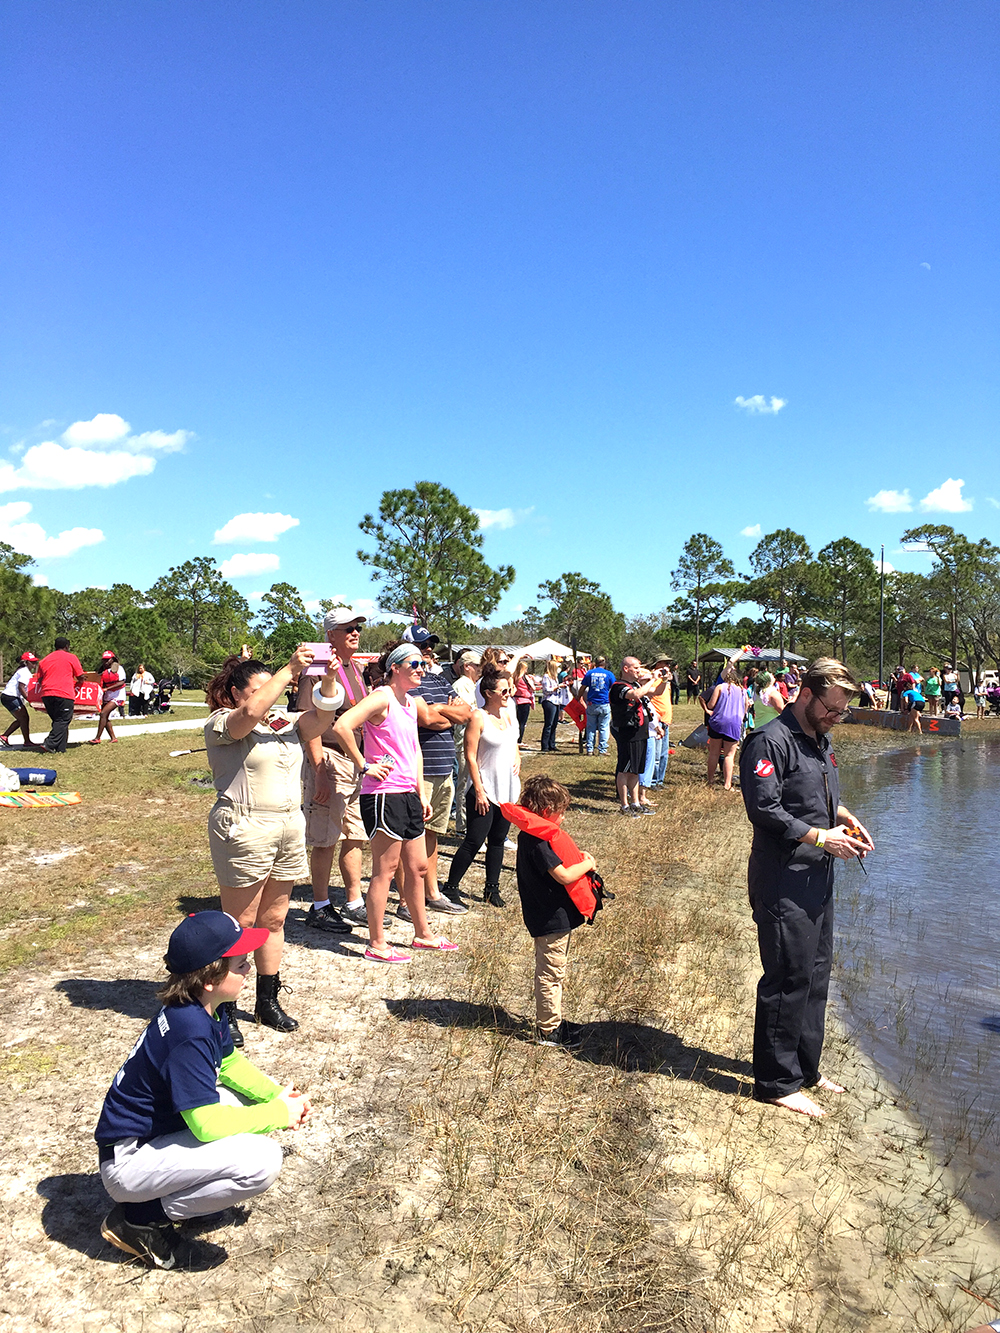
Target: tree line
[[427, 564]]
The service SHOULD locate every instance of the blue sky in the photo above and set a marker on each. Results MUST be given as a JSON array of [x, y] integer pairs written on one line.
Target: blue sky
[[615, 273]]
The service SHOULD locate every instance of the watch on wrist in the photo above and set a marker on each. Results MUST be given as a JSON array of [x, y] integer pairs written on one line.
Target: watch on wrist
[[365, 767]]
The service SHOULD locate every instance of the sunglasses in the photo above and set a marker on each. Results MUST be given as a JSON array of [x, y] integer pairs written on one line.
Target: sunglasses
[[415, 666]]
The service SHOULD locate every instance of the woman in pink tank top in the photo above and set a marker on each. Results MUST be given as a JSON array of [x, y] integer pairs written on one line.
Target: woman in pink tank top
[[392, 805]]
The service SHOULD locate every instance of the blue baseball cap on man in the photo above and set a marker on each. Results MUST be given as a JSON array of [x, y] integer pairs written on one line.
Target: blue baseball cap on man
[[420, 636], [205, 937]]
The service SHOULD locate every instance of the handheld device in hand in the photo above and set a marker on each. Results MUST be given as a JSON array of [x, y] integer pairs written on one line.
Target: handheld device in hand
[[322, 652]]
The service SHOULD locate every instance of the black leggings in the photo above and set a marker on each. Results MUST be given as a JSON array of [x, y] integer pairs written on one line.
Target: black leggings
[[490, 828], [523, 713]]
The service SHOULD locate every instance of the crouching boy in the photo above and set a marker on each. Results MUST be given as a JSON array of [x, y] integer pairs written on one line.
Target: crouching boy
[[171, 1145], [550, 914]]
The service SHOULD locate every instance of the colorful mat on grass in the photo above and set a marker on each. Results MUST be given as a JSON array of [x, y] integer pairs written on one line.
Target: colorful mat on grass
[[20, 799]]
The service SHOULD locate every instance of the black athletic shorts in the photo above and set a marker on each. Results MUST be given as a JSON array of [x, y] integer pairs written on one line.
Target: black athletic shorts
[[631, 753], [11, 702], [400, 814], [917, 707], [714, 735]]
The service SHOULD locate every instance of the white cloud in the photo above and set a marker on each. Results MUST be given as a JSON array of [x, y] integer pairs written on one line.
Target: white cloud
[[241, 566], [889, 569], [758, 404], [946, 499], [924, 264], [84, 457], [254, 528], [312, 605], [752, 531], [105, 428], [501, 518], [32, 539], [994, 503], [40, 580], [891, 502]]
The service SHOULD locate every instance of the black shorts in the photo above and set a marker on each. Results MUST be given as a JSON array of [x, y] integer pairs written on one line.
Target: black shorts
[[917, 707], [631, 753], [400, 814], [12, 703], [714, 735]]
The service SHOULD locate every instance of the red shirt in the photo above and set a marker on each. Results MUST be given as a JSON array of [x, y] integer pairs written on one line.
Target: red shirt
[[57, 675]]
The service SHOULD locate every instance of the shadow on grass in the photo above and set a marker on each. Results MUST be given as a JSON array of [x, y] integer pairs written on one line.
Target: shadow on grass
[[134, 999], [635, 1047], [186, 904]]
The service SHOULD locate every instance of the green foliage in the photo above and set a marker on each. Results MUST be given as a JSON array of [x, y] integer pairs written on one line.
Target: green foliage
[[581, 610], [428, 557], [201, 609], [704, 573], [786, 581], [26, 613], [283, 622]]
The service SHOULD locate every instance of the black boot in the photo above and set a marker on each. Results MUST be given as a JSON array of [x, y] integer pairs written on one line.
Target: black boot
[[268, 1011], [229, 1010], [491, 895]]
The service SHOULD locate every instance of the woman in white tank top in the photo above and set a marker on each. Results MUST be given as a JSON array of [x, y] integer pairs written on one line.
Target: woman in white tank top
[[494, 764]]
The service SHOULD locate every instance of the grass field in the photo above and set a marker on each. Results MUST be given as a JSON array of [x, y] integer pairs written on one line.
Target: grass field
[[456, 1175]]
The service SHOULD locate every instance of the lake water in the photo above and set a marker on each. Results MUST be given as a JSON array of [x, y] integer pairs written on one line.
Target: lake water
[[919, 944]]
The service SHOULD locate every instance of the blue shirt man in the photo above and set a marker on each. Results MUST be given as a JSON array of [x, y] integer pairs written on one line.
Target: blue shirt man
[[594, 689]]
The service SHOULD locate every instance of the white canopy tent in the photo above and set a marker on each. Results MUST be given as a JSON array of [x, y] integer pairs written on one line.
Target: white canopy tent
[[543, 650]]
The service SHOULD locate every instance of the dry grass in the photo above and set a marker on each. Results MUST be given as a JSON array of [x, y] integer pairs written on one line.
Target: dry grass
[[460, 1176]]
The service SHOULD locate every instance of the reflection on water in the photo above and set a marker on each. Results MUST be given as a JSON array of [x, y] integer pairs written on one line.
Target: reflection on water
[[919, 944]]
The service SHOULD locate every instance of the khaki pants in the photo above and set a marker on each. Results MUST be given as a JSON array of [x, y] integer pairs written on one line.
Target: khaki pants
[[550, 968]]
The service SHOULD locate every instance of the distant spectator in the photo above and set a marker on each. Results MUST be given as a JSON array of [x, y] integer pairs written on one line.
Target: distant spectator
[[112, 693], [630, 716], [692, 678], [663, 706], [954, 708], [466, 673], [594, 689], [980, 696], [915, 703], [675, 685], [140, 688], [552, 697], [932, 692], [15, 698], [524, 696], [727, 706]]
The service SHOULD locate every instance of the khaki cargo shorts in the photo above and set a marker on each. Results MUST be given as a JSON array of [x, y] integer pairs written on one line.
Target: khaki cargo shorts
[[250, 847], [341, 816], [439, 793]]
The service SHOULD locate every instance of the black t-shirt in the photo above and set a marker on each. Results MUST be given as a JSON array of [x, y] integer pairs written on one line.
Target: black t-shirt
[[545, 905], [629, 718]]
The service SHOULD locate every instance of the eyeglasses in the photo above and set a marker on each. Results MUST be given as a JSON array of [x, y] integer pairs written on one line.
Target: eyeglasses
[[415, 666], [832, 712], [504, 694]]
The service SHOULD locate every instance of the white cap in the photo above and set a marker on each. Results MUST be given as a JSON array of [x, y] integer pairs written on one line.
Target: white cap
[[341, 615]]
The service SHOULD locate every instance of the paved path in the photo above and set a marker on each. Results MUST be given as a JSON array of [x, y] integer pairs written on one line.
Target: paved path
[[122, 730]]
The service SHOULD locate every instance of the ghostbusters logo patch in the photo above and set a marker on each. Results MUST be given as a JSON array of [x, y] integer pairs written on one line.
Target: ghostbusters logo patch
[[833, 759], [764, 768]]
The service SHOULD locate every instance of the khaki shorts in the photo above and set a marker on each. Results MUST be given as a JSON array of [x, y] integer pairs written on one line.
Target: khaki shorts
[[340, 818], [439, 793], [249, 848]]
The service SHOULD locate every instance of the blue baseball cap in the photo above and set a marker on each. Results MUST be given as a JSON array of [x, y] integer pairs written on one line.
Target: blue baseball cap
[[420, 636], [205, 937]]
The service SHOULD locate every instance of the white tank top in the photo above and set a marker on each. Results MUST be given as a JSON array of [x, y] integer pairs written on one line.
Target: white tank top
[[496, 756]]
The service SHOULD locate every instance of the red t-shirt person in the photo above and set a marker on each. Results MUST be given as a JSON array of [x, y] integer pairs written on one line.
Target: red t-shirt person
[[58, 674]]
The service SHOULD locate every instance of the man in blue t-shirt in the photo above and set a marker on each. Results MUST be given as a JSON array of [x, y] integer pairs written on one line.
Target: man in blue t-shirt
[[170, 1146], [594, 693]]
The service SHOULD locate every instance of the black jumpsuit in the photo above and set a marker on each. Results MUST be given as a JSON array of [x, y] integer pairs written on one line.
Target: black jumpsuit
[[790, 785]]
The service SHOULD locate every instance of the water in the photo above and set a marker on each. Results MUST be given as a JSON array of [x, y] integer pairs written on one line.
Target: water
[[918, 951]]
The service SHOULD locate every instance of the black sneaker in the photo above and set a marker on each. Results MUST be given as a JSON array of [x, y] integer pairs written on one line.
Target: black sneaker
[[629, 811], [403, 912], [567, 1035], [160, 1245], [357, 914], [328, 919]]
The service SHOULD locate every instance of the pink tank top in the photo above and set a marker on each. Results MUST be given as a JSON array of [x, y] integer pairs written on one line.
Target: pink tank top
[[395, 737]]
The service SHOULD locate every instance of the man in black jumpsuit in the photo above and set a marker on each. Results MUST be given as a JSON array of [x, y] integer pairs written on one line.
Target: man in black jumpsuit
[[791, 789]]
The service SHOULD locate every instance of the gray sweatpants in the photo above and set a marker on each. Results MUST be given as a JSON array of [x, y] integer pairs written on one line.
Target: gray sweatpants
[[191, 1178]]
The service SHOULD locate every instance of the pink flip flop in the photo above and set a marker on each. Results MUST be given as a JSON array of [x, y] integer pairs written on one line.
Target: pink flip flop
[[441, 946], [393, 956]]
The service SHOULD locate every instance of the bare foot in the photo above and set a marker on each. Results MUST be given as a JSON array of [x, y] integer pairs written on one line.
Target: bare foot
[[798, 1101], [827, 1085]]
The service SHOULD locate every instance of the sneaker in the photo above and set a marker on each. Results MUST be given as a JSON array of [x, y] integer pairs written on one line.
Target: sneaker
[[329, 919], [403, 912], [567, 1035], [357, 914], [442, 903], [644, 809], [629, 810], [510, 846], [160, 1245]]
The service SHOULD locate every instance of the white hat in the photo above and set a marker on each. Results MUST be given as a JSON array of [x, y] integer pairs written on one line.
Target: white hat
[[341, 615]]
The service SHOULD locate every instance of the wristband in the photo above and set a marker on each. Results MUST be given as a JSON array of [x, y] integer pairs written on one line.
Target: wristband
[[324, 704], [821, 836]]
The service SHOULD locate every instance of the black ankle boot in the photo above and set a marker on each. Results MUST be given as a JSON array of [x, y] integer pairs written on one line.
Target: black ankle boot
[[491, 895], [229, 1010], [268, 1011]]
